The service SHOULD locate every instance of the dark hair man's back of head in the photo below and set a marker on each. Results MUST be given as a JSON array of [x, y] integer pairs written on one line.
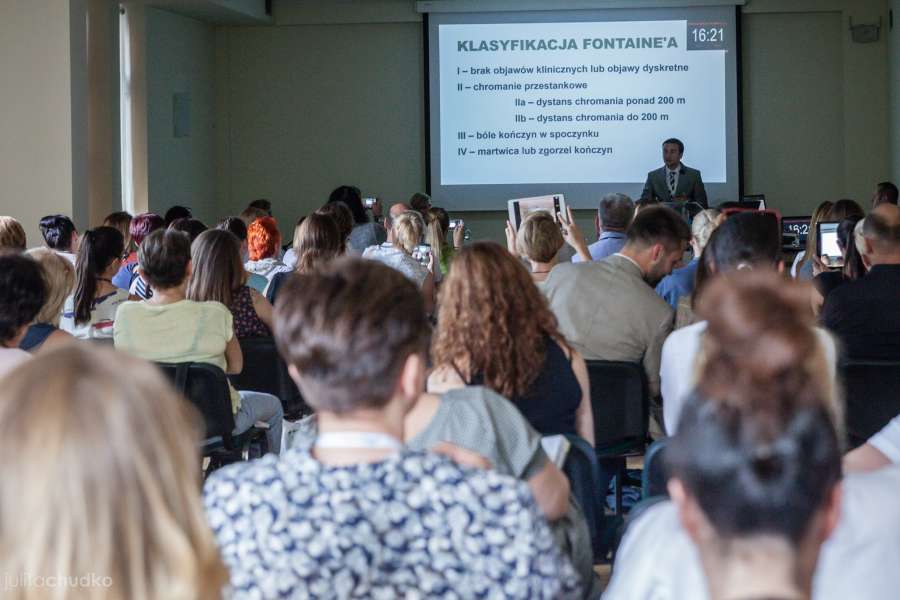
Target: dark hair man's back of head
[[262, 204], [746, 239], [163, 258], [348, 330], [57, 231], [885, 193], [658, 225], [615, 211], [177, 212], [236, 226]]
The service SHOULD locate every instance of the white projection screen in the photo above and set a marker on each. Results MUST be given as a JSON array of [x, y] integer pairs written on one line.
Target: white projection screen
[[578, 102]]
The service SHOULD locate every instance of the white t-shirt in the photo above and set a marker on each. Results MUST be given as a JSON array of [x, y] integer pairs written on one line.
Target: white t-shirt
[[103, 315], [10, 358], [887, 441], [658, 561], [399, 260], [677, 371]]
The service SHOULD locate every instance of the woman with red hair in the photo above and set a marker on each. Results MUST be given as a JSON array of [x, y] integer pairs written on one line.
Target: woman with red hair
[[264, 249]]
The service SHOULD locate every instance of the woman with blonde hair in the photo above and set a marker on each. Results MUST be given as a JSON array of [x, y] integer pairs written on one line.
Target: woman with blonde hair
[[59, 280], [12, 235], [317, 241], [407, 232], [437, 235], [802, 268], [538, 240], [118, 449]]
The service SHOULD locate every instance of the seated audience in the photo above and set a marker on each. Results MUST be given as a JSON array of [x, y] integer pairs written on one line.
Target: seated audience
[[437, 235], [121, 220], [60, 235], [192, 227], [264, 248], [236, 226], [217, 275], [91, 309], [406, 233], [169, 328], [420, 202], [614, 214], [495, 329], [344, 219], [885, 193], [765, 415], [881, 450], [252, 213], [358, 514], [21, 299], [12, 235], [680, 283], [746, 241], [127, 278], [538, 241], [175, 213], [107, 498], [825, 278], [263, 205], [607, 309], [59, 281], [802, 268], [865, 314], [642, 203], [317, 241], [365, 233]]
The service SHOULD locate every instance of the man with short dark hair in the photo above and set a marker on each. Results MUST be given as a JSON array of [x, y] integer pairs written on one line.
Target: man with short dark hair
[[675, 182], [608, 309], [885, 193], [60, 235], [865, 314], [614, 214], [262, 204]]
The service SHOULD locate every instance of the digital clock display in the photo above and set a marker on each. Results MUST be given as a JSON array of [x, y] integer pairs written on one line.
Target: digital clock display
[[706, 35]]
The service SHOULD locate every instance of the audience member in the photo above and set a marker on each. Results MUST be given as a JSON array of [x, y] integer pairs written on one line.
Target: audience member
[[264, 247], [406, 522], [238, 228], [495, 329], [680, 283], [127, 278], [538, 241], [614, 214], [365, 233], [317, 241], [420, 202], [175, 213], [406, 233], [59, 281], [91, 309], [745, 242], [60, 235], [218, 275], [169, 328], [803, 265], [607, 309], [880, 450], [768, 419], [397, 209], [642, 203], [121, 220], [438, 236], [251, 213], [826, 279], [344, 219], [12, 235], [885, 193], [262, 204], [21, 298], [106, 502], [192, 227], [865, 314]]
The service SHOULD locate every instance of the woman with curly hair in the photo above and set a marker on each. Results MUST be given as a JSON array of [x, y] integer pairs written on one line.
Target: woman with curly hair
[[495, 329]]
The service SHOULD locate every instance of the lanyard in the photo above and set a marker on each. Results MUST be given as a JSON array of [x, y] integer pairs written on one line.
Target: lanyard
[[357, 439]]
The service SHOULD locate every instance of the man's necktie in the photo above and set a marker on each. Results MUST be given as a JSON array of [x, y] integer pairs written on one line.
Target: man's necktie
[[672, 182]]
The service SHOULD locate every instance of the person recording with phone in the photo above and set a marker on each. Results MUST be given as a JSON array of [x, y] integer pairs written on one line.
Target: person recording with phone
[[830, 272]]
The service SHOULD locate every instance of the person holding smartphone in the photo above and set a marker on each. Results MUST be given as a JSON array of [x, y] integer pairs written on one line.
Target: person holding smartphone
[[830, 271]]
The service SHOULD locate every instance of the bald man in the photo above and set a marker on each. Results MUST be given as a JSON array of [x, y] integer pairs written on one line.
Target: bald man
[[865, 314]]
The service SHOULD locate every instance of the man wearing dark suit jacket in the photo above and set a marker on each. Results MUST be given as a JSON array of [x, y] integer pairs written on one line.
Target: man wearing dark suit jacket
[[674, 182]]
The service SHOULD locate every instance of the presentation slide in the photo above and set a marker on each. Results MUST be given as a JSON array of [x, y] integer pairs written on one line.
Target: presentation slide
[[578, 102]]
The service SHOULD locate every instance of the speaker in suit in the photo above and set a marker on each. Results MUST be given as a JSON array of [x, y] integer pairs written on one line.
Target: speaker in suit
[[689, 186]]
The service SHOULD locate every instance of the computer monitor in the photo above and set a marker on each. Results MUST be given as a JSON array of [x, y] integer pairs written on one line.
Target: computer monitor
[[794, 231]]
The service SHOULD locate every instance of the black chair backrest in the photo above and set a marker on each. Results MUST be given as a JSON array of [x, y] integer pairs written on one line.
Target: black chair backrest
[[872, 393], [654, 476], [206, 387], [621, 404], [265, 371]]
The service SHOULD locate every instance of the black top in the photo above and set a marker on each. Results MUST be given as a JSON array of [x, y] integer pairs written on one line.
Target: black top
[[550, 403], [275, 285], [865, 314], [827, 281]]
